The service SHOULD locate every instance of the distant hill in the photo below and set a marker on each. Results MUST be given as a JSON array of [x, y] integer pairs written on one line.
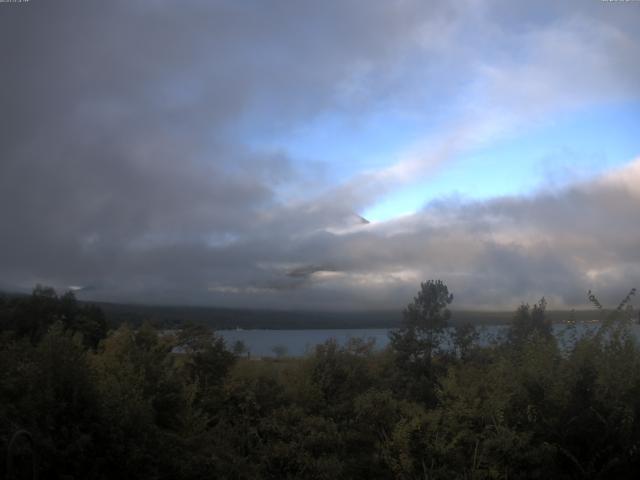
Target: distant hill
[[231, 318]]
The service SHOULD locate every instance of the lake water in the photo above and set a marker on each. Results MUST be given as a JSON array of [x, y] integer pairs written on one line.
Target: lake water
[[297, 343]]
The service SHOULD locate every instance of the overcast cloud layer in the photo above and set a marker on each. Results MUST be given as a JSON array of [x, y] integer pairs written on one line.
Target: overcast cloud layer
[[129, 159]]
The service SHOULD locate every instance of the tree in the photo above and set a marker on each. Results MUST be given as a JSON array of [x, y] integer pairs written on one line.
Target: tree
[[530, 320], [206, 358], [414, 344], [428, 312], [239, 348], [464, 336], [424, 320], [32, 316]]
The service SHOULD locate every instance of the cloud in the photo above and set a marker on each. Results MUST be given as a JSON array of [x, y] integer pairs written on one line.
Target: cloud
[[127, 162], [492, 254]]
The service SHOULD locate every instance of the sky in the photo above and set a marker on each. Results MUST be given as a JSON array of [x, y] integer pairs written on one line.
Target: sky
[[321, 155]]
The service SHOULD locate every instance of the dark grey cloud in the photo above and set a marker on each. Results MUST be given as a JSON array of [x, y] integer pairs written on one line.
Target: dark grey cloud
[[127, 160]]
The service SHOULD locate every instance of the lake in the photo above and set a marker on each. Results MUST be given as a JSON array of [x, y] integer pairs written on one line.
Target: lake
[[300, 342]]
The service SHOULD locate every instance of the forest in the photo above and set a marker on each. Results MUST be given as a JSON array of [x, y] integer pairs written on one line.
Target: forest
[[82, 398]]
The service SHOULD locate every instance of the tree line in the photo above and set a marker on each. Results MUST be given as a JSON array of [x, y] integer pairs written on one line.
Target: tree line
[[82, 399]]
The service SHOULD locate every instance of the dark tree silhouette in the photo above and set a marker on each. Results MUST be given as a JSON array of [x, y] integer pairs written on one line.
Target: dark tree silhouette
[[528, 321], [414, 344]]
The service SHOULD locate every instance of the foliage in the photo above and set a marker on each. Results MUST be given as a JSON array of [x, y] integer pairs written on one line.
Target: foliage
[[139, 403], [530, 321], [419, 338], [31, 316]]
